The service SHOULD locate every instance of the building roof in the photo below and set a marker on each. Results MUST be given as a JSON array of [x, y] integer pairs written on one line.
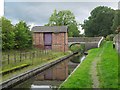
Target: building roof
[[49, 29]]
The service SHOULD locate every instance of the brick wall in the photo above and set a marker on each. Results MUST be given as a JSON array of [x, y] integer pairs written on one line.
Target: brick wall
[[59, 42], [38, 40]]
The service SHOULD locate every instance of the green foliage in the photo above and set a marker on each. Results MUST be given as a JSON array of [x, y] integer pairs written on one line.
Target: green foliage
[[75, 59], [110, 37], [116, 21], [15, 37], [64, 18], [81, 77], [77, 47], [107, 69], [35, 62], [23, 36], [14, 68], [7, 34], [100, 22]]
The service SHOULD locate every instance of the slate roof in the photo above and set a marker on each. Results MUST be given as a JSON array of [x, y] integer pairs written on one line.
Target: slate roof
[[49, 29]]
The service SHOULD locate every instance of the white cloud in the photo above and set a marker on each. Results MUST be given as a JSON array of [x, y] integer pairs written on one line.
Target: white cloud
[[39, 12], [1, 7], [62, 0]]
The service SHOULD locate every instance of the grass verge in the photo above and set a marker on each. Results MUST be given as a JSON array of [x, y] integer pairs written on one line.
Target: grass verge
[[107, 69], [35, 62]]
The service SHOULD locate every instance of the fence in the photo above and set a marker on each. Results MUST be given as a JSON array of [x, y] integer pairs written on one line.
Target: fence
[[21, 56]]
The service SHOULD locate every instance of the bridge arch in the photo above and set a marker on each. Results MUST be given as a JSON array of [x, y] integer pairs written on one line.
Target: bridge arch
[[75, 44]]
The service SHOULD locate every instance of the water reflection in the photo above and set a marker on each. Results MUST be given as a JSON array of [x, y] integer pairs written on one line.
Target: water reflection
[[52, 77]]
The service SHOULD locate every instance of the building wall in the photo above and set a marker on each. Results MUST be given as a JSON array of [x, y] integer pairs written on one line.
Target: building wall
[[59, 41], [38, 40]]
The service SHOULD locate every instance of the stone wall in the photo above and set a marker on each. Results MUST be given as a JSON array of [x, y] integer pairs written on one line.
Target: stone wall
[[91, 45], [117, 42], [84, 39]]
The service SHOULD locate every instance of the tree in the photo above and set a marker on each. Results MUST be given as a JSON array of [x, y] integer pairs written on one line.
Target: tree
[[7, 34], [23, 36], [64, 18], [116, 21], [100, 22]]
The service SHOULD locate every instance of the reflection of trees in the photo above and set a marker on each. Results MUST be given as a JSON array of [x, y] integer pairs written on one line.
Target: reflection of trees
[[76, 59]]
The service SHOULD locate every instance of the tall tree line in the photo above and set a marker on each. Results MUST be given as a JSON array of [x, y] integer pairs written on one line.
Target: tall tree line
[[16, 36], [102, 21]]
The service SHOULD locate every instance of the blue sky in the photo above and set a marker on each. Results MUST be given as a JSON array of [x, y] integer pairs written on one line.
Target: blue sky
[[38, 13]]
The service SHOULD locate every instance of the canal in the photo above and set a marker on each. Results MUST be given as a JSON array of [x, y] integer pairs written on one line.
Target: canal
[[52, 77]]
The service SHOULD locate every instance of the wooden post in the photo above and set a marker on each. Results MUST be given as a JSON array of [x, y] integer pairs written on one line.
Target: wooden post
[[15, 58], [8, 58], [32, 54], [25, 55], [20, 57]]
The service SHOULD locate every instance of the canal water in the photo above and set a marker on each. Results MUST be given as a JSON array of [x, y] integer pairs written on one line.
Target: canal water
[[51, 78]]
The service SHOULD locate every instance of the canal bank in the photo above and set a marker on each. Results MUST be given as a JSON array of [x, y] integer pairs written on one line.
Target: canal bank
[[106, 64], [22, 77], [51, 77]]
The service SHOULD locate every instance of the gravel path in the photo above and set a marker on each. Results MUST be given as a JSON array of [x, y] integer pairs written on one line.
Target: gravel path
[[94, 72]]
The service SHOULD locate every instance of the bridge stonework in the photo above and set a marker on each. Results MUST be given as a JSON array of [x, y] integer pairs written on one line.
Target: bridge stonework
[[89, 42]]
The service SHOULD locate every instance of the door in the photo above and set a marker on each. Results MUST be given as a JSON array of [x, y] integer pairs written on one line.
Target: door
[[48, 40]]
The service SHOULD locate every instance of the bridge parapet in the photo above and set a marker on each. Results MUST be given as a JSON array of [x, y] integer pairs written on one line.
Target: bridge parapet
[[84, 39], [89, 42]]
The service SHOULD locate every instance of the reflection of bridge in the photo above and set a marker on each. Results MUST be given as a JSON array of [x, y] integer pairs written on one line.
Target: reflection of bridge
[[89, 42]]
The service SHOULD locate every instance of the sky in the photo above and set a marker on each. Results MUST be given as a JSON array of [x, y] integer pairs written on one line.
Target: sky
[[1, 8], [38, 13]]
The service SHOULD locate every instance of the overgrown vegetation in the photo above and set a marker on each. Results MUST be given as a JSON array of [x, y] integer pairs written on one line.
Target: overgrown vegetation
[[33, 63], [16, 36], [107, 68], [110, 37], [77, 47], [102, 21]]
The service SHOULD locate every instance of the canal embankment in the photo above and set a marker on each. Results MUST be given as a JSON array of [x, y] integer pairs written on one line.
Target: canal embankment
[[24, 76], [106, 64]]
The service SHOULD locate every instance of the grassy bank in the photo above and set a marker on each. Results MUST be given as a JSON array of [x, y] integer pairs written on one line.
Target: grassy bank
[[34, 62], [107, 69]]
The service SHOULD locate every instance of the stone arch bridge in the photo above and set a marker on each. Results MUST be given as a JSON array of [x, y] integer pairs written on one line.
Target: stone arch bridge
[[89, 42]]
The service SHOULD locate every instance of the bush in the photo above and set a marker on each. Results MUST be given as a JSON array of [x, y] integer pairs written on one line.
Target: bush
[[110, 37], [77, 47]]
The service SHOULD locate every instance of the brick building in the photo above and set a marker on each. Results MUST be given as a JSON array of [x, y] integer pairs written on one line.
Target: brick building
[[50, 37]]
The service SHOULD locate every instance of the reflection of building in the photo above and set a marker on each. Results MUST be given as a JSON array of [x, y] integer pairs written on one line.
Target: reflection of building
[[50, 37], [117, 42]]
